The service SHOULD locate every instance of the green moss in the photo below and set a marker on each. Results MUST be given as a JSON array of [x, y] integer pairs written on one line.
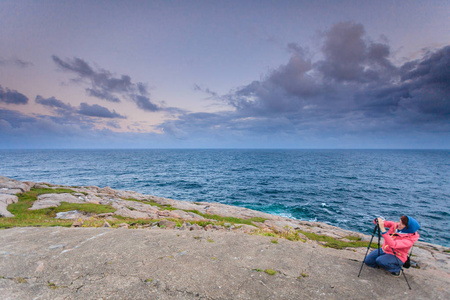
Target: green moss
[[52, 285], [291, 236], [20, 280], [353, 238], [153, 203], [271, 272], [447, 251], [334, 243], [231, 220], [302, 275], [274, 241]]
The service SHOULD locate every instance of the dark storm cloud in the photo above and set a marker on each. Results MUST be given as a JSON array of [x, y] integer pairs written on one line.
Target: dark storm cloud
[[144, 103], [14, 119], [54, 103], [98, 111], [104, 85], [12, 97], [85, 109], [353, 89], [104, 95]]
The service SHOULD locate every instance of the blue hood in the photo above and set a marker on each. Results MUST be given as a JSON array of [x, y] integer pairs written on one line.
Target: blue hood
[[413, 226]]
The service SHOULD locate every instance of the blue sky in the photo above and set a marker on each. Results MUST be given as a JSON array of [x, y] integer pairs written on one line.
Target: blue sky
[[224, 74]]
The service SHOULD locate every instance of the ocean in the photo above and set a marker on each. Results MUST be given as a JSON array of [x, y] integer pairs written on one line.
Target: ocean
[[344, 188]]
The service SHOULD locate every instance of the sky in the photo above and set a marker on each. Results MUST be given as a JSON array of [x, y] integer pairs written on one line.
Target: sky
[[225, 74]]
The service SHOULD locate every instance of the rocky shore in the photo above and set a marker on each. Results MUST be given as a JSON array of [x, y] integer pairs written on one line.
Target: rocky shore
[[159, 248]]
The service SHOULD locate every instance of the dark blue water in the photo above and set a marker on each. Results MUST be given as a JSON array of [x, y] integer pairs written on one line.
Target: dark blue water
[[345, 188]]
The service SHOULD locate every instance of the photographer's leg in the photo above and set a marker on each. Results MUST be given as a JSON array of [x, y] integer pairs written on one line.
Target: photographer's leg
[[390, 263], [371, 259]]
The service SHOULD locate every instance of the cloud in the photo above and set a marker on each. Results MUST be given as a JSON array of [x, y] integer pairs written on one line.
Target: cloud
[[84, 109], [98, 111], [12, 96], [15, 62], [352, 89], [104, 85], [54, 103]]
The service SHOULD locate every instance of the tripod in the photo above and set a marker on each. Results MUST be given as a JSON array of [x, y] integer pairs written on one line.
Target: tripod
[[378, 231]]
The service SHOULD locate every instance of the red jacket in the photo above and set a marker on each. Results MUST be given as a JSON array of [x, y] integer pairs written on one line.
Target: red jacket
[[400, 242]]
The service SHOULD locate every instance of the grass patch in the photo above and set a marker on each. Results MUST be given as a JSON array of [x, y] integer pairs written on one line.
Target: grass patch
[[153, 203], [45, 217], [325, 240], [353, 238], [447, 251], [231, 220], [274, 241], [27, 199], [86, 207], [291, 236], [334, 243]]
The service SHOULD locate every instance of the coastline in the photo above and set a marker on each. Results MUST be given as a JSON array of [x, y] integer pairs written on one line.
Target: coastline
[[169, 218]]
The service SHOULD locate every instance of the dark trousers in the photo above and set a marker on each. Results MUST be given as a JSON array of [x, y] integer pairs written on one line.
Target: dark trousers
[[388, 262]]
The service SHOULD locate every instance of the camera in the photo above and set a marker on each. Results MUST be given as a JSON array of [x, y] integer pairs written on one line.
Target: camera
[[376, 219]]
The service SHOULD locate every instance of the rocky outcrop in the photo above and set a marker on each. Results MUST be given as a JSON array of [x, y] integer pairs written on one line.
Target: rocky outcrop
[[6, 200], [12, 187], [107, 263], [156, 210], [8, 189], [54, 200]]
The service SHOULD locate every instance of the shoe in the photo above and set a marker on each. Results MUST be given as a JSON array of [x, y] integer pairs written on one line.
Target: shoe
[[395, 274]]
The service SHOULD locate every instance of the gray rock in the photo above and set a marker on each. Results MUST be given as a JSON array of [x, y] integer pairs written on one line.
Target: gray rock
[[107, 190], [127, 213], [77, 223], [167, 224], [123, 225], [11, 184], [195, 227], [6, 200], [183, 226], [54, 200], [106, 224], [105, 215], [246, 228], [102, 263], [187, 215], [70, 215]]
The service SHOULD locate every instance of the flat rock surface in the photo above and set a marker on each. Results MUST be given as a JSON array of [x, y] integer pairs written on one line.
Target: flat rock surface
[[106, 263]]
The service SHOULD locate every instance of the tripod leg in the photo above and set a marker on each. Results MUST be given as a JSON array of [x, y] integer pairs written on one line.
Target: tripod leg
[[368, 247], [401, 268]]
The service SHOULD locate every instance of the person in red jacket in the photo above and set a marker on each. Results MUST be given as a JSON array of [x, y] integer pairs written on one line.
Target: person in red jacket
[[398, 239]]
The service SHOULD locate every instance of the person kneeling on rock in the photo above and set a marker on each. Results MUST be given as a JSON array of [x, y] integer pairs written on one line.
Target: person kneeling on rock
[[398, 240]]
